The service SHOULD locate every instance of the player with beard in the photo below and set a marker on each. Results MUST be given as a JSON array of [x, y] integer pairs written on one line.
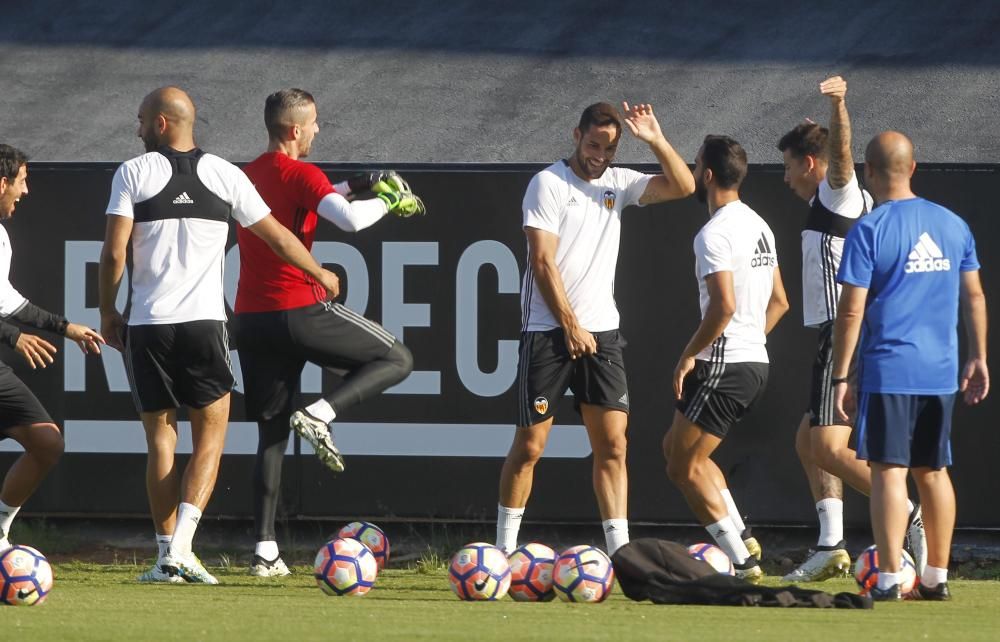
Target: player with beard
[[723, 369], [173, 205], [284, 320], [570, 339], [22, 417]]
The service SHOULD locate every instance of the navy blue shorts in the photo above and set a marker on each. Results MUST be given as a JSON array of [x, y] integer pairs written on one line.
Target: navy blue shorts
[[906, 430]]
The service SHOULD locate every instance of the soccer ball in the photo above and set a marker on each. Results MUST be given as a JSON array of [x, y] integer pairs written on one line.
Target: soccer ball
[[371, 536], [583, 574], [714, 556], [345, 567], [25, 576], [479, 571], [531, 573], [866, 570]]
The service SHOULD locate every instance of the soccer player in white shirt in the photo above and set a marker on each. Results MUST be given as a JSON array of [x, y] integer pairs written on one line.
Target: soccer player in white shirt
[[570, 338], [819, 168], [723, 369], [22, 417], [173, 205]]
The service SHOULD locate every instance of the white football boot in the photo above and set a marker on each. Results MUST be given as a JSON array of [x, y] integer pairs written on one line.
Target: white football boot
[[822, 563], [261, 567], [188, 567], [318, 435], [156, 575]]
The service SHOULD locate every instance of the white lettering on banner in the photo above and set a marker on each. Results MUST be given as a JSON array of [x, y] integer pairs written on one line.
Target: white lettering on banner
[[393, 439], [397, 314], [477, 255]]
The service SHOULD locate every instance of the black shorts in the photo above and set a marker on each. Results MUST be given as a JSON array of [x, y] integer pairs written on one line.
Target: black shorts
[[274, 346], [717, 395], [18, 405], [545, 370], [906, 430], [821, 408], [178, 364]]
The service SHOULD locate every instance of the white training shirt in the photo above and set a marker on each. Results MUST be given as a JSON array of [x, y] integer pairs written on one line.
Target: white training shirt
[[586, 216], [737, 240], [177, 263], [821, 252], [10, 299]]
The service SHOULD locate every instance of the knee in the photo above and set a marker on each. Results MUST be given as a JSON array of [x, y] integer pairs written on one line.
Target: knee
[[681, 473], [402, 358], [47, 444], [612, 449], [527, 451]]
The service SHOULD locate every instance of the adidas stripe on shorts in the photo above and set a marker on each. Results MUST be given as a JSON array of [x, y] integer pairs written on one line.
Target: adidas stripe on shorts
[[274, 347], [717, 395], [545, 371]]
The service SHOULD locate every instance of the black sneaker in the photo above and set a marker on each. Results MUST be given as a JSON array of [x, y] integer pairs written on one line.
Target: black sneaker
[[939, 593], [891, 594]]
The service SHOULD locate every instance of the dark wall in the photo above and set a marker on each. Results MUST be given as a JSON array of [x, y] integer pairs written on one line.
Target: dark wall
[[434, 450]]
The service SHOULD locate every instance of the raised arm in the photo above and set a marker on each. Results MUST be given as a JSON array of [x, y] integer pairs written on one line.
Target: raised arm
[[542, 259], [841, 161], [676, 181], [975, 381]]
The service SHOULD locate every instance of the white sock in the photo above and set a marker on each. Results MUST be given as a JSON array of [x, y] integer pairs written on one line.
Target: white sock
[[734, 512], [831, 521], [932, 576], [727, 536], [188, 516], [322, 410], [887, 580], [267, 550], [163, 543], [909, 507], [508, 523], [7, 514], [615, 534]]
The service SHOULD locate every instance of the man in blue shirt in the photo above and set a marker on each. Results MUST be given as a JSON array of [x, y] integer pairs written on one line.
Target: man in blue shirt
[[906, 267]]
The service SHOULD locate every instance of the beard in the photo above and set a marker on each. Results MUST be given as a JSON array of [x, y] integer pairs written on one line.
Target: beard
[[585, 167], [700, 191], [150, 142]]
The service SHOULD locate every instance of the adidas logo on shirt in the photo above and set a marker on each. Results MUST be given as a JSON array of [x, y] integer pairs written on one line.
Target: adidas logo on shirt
[[183, 199], [572, 202], [926, 256], [763, 256]]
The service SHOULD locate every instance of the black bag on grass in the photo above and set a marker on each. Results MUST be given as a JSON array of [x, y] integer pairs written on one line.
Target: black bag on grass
[[662, 572]]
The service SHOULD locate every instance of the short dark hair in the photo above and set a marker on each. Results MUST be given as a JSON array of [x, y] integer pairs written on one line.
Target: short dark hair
[[280, 103], [807, 139], [600, 115], [726, 158], [11, 160]]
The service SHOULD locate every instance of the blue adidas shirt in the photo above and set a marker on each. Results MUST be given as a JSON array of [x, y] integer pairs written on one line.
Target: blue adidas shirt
[[909, 255]]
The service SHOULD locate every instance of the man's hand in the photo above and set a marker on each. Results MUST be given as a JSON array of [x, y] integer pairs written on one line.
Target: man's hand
[[642, 123], [38, 352], [835, 88], [975, 382], [113, 328], [89, 340], [844, 404], [684, 367], [331, 282], [579, 342]]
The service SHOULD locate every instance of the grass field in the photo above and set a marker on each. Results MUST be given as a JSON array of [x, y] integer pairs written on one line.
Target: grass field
[[103, 602]]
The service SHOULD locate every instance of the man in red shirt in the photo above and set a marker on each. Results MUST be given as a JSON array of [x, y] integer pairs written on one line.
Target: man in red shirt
[[284, 320]]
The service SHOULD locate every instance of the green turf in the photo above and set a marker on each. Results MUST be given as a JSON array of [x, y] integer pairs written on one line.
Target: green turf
[[102, 602]]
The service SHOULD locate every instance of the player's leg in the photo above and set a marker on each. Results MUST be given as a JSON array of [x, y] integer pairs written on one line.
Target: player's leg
[[931, 454], [271, 373], [885, 424], [606, 428], [746, 534], [43, 446], [23, 419], [369, 358], [600, 386], [516, 478], [543, 372]]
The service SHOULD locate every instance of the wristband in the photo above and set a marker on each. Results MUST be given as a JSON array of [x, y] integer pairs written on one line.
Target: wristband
[[836, 380]]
